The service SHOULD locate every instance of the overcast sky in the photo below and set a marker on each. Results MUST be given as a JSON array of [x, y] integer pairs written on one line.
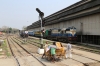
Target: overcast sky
[[19, 13]]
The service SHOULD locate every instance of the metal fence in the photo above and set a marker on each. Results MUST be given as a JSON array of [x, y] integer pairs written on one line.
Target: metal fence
[[90, 39]]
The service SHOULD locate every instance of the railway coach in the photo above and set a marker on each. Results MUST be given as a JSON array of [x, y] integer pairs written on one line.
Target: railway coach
[[31, 33]]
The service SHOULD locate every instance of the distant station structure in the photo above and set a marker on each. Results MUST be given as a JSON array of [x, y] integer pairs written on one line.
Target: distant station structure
[[83, 15]]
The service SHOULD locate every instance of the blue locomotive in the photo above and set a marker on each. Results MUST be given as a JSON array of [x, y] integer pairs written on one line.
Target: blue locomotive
[[65, 34]]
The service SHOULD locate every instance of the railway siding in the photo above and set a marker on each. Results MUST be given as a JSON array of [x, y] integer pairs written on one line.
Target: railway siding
[[80, 58], [93, 56], [48, 63], [77, 59], [23, 57]]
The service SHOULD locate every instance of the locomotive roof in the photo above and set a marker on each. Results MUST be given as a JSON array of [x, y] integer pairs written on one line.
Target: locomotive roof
[[69, 28]]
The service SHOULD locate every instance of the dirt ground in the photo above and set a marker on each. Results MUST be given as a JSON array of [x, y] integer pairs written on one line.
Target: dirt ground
[[5, 56], [10, 61], [93, 64], [34, 49]]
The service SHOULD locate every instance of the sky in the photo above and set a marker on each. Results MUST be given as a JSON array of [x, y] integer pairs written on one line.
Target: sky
[[19, 13]]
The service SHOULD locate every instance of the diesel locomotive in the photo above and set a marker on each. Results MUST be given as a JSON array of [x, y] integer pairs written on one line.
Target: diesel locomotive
[[64, 34]]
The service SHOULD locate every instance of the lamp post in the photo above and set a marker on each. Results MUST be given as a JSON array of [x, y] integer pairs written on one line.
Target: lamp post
[[41, 14]]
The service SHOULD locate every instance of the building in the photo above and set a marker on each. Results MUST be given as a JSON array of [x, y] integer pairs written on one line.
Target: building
[[84, 15]]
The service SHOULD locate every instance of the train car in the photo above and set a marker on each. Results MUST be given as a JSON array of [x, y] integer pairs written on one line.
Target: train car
[[47, 34], [53, 34], [68, 34], [31, 33], [24, 34], [37, 34], [64, 35]]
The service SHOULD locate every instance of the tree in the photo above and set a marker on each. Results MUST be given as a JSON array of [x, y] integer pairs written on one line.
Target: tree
[[24, 27], [5, 29], [10, 30]]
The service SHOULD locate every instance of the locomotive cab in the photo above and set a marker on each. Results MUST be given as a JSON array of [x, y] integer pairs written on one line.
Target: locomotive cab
[[69, 34]]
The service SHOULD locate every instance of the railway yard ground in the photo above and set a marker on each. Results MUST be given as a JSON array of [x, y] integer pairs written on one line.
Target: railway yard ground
[[15, 52]]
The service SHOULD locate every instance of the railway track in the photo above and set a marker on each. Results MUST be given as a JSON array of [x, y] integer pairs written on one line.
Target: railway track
[[18, 64], [84, 63], [87, 49], [75, 59], [39, 56], [22, 56], [93, 50]]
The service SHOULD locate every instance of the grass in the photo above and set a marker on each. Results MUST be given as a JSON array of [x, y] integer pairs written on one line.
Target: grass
[[5, 49]]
